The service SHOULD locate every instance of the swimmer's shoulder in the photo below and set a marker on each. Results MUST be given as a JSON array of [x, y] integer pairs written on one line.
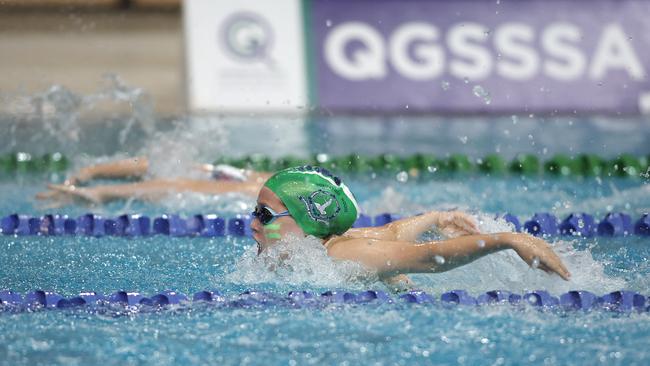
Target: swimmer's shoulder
[[338, 246]]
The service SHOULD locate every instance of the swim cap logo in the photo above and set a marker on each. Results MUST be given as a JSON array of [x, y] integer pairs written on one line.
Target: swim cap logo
[[321, 206], [247, 36]]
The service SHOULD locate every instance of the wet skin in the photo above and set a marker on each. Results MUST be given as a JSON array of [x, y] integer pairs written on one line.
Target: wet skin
[[267, 235]]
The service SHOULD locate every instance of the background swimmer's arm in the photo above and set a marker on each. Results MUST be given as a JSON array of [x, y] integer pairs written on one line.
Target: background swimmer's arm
[[126, 168], [450, 223], [147, 190], [229, 172], [392, 257]]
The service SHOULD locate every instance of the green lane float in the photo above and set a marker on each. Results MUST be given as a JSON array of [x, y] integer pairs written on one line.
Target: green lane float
[[417, 165], [26, 163]]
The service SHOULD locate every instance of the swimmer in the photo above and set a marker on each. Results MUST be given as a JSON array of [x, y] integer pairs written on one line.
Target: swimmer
[[222, 179], [310, 201]]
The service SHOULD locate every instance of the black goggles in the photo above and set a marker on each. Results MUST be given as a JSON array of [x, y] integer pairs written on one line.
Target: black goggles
[[266, 215]]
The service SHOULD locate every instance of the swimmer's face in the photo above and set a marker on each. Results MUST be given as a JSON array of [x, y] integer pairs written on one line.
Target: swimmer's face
[[267, 235]]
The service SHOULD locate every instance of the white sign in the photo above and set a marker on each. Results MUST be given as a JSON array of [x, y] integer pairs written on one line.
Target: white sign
[[245, 56]]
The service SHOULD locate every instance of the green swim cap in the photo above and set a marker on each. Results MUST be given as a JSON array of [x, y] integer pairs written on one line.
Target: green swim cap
[[319, 202]]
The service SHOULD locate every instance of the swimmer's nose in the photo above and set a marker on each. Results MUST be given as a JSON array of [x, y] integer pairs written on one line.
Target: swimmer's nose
[[255, 225]]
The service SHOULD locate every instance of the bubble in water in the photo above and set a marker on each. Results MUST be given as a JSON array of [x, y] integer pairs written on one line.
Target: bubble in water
[[481, 243], [444, 85], [328, 23], [463, 139], [402, 177], [439, 259], [480, 92]]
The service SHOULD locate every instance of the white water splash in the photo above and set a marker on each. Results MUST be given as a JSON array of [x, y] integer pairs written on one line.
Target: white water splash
[[178, 152], [506, 270], [62, 117], [299, 262]]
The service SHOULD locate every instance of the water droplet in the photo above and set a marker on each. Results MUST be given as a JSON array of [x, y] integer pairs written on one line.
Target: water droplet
[[514, 119], [328, 23], [402, 177], [480, 92], [535, 263], [481, 243], [439, 259], [444, 85], [321, 158], [22, 156]]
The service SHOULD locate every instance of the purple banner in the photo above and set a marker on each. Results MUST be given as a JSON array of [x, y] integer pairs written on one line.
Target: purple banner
[[496, 56]]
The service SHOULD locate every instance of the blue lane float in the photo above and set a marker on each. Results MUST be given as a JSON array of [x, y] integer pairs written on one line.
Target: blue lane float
[[642, 227], [512, 219], [617, 301], [212, 225], [498, 296], [615, 224], [580, 224], [542, 224]]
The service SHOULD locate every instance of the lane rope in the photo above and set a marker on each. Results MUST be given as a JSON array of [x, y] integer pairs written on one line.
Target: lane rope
[[416, 165], [620, 301], [212, 225]]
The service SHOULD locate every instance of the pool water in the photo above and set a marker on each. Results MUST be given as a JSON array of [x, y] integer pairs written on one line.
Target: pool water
[[392, 333]]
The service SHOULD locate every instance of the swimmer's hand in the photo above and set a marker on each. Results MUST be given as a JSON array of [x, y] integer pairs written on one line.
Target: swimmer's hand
[[82, 176], [226, 172], [61, 194], [538, 254], [456, 223]]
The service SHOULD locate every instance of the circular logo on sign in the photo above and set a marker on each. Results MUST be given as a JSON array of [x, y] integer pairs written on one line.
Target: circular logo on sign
[[246, 36], [321, 206]]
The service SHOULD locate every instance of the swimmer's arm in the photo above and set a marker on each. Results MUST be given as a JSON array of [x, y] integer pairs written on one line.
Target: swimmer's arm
[[147, 190], [393, 257], [229, 172], [450, 223], [126, 168]]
